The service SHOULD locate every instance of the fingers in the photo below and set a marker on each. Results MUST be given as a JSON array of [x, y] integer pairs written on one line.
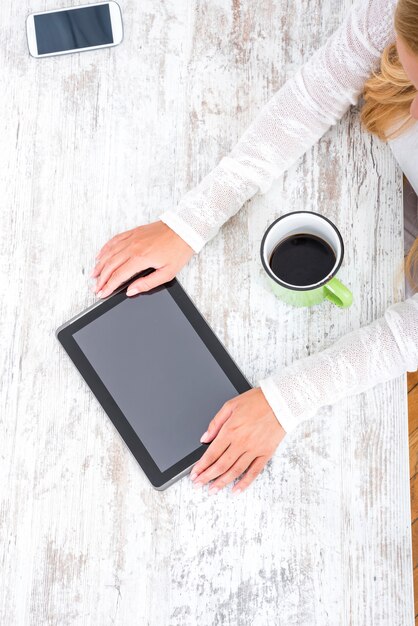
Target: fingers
[[111, 266], [104, 259], [212, 454], [152, 245], [222, 478], [219, 466], [217, 422], [112, 243], [121, 274], [252, 472], [145, 283]]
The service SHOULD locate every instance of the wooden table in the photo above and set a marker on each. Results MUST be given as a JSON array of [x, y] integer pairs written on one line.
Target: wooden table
[[93, 144]]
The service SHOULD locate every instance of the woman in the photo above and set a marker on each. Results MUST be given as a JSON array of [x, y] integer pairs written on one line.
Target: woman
[[248, 428]]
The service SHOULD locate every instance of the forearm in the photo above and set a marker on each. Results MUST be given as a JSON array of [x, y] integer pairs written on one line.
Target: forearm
[[202, 211], [361, 359]]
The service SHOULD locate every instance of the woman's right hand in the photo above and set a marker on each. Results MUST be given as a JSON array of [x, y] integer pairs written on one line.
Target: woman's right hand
[[151, 245]]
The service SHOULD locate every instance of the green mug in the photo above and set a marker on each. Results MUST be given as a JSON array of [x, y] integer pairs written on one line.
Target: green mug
[[329, 287]]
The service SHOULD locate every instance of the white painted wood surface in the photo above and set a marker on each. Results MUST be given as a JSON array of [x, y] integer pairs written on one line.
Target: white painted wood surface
[[96, 143]]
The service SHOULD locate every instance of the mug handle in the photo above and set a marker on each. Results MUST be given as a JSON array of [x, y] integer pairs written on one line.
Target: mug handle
[[338, 294]]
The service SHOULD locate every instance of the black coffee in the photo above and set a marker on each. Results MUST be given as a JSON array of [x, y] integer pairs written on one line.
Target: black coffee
[[302, 260]]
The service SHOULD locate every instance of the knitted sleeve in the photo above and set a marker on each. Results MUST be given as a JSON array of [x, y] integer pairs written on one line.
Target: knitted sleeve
[[386, 348], [299, 113]]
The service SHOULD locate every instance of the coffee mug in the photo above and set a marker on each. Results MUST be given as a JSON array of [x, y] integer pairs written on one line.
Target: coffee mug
[[307, 230]]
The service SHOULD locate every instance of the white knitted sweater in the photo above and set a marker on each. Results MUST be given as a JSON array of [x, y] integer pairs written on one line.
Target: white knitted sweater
[[300, 112]]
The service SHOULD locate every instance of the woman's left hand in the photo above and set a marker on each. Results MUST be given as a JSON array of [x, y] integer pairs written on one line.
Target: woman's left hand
[[244, 434]]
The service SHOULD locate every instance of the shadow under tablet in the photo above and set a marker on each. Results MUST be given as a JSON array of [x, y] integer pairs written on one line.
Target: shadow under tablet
[[158, 370]]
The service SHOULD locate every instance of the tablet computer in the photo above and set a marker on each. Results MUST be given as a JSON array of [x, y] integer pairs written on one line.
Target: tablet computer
[[158, 370]]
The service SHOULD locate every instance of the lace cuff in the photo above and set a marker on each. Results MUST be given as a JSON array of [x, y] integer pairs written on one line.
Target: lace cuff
[[381, 351]]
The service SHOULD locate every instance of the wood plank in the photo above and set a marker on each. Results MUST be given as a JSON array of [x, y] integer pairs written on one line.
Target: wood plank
[[413, 453], [413, 413], [416, 593], [412, 380], [414, 498], [413, 461], [415, 544]]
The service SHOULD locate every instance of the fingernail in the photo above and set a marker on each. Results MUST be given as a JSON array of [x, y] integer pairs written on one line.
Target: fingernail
[[193, 475], [99, 294], [213, 490], [204, 437], [237, 491], [196, 483], [132, 292]]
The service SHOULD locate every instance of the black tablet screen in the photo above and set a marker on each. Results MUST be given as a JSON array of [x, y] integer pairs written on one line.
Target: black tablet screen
[[159, 372]]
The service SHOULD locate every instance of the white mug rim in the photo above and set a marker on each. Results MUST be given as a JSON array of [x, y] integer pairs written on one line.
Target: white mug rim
[[289, 286]]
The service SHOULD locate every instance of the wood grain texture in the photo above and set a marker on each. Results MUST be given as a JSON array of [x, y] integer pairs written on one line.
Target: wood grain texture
[[412, 380], [413, 414], [94, 144], [413, 466]]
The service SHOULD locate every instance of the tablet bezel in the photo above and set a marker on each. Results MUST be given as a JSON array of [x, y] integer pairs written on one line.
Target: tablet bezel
[[158, 479]]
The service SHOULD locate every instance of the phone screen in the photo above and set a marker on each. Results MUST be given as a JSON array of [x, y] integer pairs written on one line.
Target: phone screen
[[70, 30]]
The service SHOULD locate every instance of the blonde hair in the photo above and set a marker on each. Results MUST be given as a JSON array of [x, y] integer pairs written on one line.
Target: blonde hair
[[388, 97]]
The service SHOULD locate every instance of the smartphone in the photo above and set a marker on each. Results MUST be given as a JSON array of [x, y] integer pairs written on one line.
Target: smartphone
[[74, 29]]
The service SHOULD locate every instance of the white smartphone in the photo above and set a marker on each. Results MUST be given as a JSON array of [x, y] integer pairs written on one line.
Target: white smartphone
[[74, 29]]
